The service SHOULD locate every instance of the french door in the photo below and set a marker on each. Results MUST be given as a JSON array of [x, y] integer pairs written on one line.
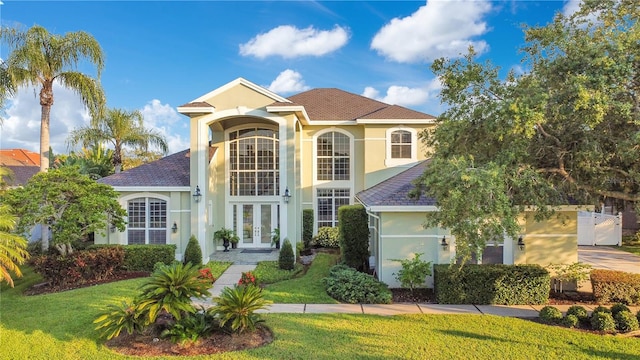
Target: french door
[[255, 222]]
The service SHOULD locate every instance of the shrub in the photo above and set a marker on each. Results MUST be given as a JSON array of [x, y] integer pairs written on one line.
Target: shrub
[[603, 321], [144, 257], [206, 276], [491, 284], [615, 286], [618, 307], [236, 307], [550, 315], [576, 272], [170, 289], [579, 311], [193, 252], [307, 227], [117, 317], [286, 259], [638, 315], [625, 321], [247, 278], [570, 321], [601, 309], [414, 272], [351, 286], [328, 237], [354, 236], [79, 267], [190, 328]]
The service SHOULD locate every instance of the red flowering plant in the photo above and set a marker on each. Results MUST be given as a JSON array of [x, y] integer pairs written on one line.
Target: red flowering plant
[[206, 275], [247, 278]]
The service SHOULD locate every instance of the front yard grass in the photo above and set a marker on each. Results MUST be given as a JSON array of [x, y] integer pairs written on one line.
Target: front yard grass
[[59, 326], [307, 289], [269, 272], [217, 267]]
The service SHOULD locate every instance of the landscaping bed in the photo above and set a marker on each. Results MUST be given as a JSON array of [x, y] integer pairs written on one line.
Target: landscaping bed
[[46, 288]]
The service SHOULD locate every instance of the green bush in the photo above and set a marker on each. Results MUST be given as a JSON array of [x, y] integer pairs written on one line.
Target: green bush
[[354, 236], [550, 315], [601, 309], [236, 307], [144, 257], [638, 315], [117, 317], [570, 321], [171, 289], [579, 311], [193, 252], [603, 321], [491, 284], [615, 286], [286, 259], [80, 267], [307, 227], [328, 237], [414, 272], [351, 286], [190, 328], [618, 307], [625, 321]]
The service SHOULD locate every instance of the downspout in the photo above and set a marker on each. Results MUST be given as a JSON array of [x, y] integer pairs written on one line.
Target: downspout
[[377, 258]]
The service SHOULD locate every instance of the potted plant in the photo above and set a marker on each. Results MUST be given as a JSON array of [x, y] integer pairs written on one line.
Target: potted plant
[[234, 239], [225, 235], [275, 238]]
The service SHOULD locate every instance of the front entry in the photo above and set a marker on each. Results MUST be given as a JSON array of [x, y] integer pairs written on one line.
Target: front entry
[[254, 223]]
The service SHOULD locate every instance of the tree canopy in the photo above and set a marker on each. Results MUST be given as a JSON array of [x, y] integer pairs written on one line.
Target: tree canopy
[[71, 203], [565, 131]]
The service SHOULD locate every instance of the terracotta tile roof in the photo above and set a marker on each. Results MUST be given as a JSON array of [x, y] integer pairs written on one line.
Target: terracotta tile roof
[[395, 190], [21, 174], [335, 104], [197, 104], [172, 170], [19, 157]]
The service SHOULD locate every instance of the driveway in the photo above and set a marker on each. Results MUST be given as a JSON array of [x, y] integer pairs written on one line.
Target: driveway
[[610, 258]]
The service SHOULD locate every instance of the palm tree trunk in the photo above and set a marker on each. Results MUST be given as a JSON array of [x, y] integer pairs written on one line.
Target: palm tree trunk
[[46, 100]]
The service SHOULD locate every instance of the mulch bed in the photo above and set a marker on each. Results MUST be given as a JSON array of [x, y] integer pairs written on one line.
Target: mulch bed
[[149, 345], [46, 288], [423, 296]]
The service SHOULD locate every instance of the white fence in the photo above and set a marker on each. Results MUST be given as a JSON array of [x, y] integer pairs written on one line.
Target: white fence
[[599, 229]]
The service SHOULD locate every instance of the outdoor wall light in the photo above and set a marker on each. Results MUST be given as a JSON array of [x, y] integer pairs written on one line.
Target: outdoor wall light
[[287, 195], [521, 243], [112, 228], [197, 195], [174, 228], [444, 243]]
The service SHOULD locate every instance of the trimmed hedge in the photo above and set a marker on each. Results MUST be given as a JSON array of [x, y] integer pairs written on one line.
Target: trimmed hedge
[[193, 252], [144, 257], [348, 285], [492, 284], [353, 223], [286, 259], [328, 237], [307, 227], [615, 286], [79, 267]]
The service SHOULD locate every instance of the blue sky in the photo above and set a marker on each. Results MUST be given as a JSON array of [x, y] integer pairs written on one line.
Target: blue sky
[[162, 54]]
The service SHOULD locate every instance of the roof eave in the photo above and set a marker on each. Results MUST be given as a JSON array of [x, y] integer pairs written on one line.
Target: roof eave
[[396, 121]]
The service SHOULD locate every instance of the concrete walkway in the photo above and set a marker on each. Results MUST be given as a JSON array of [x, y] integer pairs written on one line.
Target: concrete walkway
[[609, 258]]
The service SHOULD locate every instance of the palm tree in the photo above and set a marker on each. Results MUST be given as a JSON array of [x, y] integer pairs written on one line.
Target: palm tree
[[39, 59], [13, 248], [119, 128]]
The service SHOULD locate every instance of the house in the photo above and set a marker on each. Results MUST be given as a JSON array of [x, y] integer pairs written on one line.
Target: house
[[22, 163], [257, 159]]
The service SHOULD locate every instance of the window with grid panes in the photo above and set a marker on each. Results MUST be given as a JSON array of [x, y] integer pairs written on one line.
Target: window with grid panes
[[332, 154], [329, 200], [147, 221], [254, 162], [401, 144]]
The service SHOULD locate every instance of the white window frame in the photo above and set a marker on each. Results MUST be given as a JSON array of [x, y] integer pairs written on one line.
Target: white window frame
[[389, 161], [125, 204]]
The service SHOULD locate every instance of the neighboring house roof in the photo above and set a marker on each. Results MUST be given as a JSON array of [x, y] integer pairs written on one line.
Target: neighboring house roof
[[19, 157], [21, 174], [335, 105], [394, 192], [170, 171]]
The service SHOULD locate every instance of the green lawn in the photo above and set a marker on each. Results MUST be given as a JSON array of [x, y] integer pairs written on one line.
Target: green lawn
[[634, 249], [307, 289], [217, 267], [59, 326]]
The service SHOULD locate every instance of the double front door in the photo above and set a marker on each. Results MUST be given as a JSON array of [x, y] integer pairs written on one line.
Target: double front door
[[255, 222]]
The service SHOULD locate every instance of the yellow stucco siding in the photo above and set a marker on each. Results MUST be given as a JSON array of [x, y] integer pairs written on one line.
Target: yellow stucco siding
[[239, 95], [562, 222], [545, 250]]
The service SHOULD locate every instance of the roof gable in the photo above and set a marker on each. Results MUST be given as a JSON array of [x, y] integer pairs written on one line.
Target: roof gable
[[395, 190], [172, 170]]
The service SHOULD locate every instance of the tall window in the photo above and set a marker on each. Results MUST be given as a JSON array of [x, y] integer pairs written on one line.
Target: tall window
[[401, 144], [333, 152], [147, 221], [254, 162], [329, 200]]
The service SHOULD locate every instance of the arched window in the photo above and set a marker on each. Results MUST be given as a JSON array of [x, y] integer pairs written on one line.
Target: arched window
[[401, 144], [254, 162], [402, 147], [333, 152], [147, 221]]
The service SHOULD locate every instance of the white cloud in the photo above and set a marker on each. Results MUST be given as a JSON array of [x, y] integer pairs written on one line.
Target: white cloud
[[570, 7], [437, 29], [21, 127], [404, 95], [165, 119], [288, 81], [290, 42]]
